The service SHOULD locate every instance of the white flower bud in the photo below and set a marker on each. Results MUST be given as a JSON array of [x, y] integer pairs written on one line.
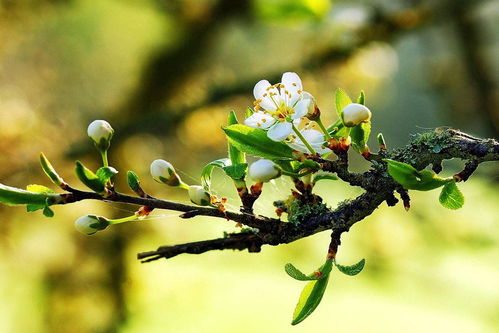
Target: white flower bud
[[163, 172], [101, 132], [90, 224], [263, 170], [354, 114], [199, 195], [313, 112]]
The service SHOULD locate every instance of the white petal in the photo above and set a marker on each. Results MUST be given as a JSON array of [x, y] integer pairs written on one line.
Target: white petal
[[280, 131], [260, 88], [291, 81], [314, 138], [259, 120], [301, 108], [262, 91], [292, 84]]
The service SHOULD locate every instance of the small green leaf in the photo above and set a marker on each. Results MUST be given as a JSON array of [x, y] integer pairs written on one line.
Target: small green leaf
[[12, 196], [48, 212], [89, 178], [324, 176], [105, 174], [134, 182], [360, 136], [235, 155], [381, 140], [296, 274], [307, 164], [50, 171], [338, 129], [362, 98], [236, 171], [39, 189], [309, 299], [353, 269], [208, 169], [412, 179], [341, 100], [451, 197], [249, 112], [32, 207], [256, 142]]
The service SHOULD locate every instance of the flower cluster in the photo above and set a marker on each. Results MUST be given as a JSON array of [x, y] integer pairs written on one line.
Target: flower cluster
[[284, 110]]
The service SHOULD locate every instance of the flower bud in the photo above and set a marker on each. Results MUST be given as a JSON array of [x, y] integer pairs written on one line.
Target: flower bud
[[163, 172], [101, 133], [199, 195], [90, 224], [354, 114], [313, 111], [263, 170]]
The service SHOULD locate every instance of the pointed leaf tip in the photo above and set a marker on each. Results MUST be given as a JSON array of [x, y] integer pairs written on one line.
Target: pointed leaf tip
[[296, 274], [353, 269]]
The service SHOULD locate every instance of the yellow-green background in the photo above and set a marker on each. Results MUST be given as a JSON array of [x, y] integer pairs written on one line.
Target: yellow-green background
[[65, 63]]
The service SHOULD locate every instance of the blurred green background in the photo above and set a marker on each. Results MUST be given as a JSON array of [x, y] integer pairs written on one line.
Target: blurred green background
[[164, 74]]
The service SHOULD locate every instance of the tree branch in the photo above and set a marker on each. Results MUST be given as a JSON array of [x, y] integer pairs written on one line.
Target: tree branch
[[422, 151], [426, 149]]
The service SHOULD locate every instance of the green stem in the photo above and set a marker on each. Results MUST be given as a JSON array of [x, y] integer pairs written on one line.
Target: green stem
[[183, 185], [297, 175], [103, 154], [323, 128], [124, 219], [305, 142]]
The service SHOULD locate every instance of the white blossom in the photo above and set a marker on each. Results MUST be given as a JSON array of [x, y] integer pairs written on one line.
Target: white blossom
[[100, 131], [163, 172], [90, 224], [314, 137], [263, 171], [199, 195], [278, 105], [354, 114]]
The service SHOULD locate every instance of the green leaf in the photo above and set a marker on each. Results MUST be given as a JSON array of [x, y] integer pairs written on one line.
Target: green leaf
[[32, 207], [353, 269], [208, 170], [312, 294], [341, 100], [286, 165], [362, 98], [50, 171], [309, 299], [360, 136], [296, 274], [307, 164], [89, 178], [256, 142], [48, 212], [338, 130], [412, 179], [236, 171], [105, 174], [235, 155], [451, 197], [249, 112], [324, 176], [133, 182], [12, 196], [39, 189]]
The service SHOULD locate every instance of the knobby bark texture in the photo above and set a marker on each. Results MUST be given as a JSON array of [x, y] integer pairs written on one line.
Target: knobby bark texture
[[424, 150]]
